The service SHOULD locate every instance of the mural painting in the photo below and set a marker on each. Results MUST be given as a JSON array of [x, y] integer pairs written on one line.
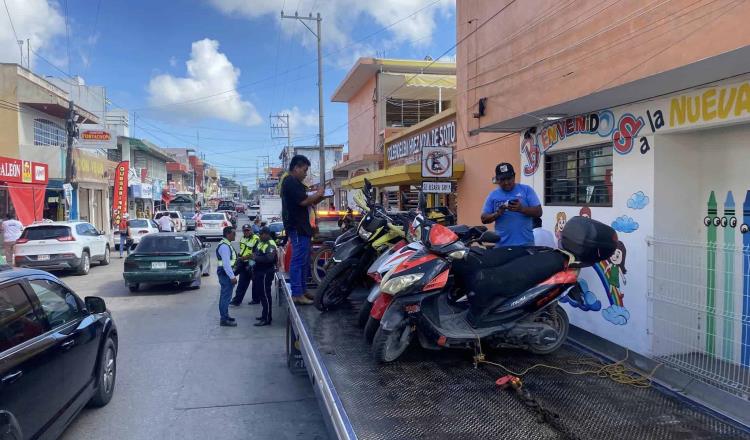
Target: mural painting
[[560, 219], [745, 355], [711, 221], [729, 222]]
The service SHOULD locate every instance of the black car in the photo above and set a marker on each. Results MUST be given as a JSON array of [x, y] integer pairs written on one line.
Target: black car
[[57, 354]]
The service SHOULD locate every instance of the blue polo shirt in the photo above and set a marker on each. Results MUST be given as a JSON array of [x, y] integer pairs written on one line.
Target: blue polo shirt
[[514, 228]]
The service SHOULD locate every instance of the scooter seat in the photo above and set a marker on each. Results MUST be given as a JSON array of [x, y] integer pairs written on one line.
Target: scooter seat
[[481, 258], [487, 284]]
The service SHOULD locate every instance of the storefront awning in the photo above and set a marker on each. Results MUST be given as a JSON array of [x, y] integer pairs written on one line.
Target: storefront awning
[[408, 174], [706, 71]]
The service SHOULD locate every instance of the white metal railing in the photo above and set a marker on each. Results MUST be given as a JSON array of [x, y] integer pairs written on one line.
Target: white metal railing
[[699, 301]]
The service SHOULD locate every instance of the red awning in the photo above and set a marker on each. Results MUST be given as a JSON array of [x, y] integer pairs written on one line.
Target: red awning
[[28, 202]]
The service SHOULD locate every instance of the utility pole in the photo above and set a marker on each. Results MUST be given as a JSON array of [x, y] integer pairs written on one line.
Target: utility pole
[[280, 130], [318, 20], [72, 129]]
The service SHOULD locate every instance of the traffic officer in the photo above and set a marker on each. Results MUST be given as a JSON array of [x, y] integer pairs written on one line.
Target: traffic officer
[[227, 258], [265, 268], [245, 266]]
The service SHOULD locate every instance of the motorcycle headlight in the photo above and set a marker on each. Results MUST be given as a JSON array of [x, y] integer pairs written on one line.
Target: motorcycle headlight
[[395, 285], [364, 234], [458, 255]]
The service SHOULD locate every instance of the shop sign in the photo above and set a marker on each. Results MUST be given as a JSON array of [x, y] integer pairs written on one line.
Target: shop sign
[[437, 162], [436, 187], [437, 136], [97, 137], [68, 189], [147, 191], [90, 168], [120, 194], [22, 171]]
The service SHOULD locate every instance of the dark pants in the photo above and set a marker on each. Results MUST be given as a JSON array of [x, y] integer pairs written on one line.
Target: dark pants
[[246, 275], [226, 293], [262, 287]]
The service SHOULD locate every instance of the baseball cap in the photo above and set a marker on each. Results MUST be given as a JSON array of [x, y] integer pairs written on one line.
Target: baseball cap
[[504, 170], [246, 228], [265, 230]]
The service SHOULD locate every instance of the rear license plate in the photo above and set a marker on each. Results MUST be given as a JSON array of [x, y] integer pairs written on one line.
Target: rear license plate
[[42, 257], [159, 265]]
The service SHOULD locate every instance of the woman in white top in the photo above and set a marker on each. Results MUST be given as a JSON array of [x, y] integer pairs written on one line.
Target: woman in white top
[[12, 230]]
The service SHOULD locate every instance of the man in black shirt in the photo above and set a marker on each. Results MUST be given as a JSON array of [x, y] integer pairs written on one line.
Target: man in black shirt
[[296, 212]]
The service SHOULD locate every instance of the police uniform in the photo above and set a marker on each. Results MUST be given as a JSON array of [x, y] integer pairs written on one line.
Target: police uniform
[[245, 270], [264, 271]]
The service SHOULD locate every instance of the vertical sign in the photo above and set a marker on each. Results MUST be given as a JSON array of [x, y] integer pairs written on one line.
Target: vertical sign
[[120, 199]]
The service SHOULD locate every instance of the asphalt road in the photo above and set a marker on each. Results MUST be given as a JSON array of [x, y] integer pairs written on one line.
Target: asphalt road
[[181, 376]]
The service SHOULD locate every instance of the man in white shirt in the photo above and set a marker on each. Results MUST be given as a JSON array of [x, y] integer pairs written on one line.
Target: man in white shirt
[[165, 223], [542, 237], [12, 230]]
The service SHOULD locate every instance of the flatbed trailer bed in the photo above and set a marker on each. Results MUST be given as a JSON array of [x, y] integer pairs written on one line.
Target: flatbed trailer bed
[[441, 395]]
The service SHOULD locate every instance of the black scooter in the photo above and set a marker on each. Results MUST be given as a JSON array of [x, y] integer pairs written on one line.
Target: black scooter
[[512, 292]]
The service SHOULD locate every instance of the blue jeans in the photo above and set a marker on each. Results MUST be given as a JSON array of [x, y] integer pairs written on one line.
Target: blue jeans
[[299, 269], [123, 242], [226, 293]]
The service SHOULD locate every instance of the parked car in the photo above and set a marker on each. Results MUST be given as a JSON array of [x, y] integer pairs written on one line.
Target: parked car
[[278, 232], [253, 211], [211, 225], [62, 246], [177, 219], [167, 258], [226, 205], [58, 354], [138, 227], [240, 208]]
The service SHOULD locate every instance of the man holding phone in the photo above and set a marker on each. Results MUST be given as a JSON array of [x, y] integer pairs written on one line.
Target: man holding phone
[[512, 206]]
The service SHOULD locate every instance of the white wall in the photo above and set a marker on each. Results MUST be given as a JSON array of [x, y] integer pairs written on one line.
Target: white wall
[[54, 157]]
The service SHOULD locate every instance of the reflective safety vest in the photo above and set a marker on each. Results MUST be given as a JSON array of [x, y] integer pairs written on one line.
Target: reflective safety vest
[[233, 253], [247, 245], [264, 246]]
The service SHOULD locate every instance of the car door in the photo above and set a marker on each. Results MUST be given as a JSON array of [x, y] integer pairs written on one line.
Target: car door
[[82, 235], [79, 331], [98, 241], [31, 362], [200, 252]]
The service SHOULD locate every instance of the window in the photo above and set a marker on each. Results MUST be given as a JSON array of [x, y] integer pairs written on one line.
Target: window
[[58, 303], [139, 223], [213, 217], [407, 112], [161, 244], [45, 232], [18, 322], [579, 177], [196, 244], [47, 133]]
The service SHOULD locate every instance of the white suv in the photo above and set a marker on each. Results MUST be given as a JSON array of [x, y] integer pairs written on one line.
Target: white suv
[[62, 245]]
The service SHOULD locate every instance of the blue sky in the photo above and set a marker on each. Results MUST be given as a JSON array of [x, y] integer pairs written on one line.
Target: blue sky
[[139, 50]]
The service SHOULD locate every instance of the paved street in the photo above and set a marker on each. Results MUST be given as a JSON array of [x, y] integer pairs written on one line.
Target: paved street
[[181, 376]]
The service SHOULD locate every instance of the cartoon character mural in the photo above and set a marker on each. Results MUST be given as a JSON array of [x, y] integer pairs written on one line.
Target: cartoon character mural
[[560, 219], [614, 270]]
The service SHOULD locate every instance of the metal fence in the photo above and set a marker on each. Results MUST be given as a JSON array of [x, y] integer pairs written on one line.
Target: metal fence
[[699, 301]]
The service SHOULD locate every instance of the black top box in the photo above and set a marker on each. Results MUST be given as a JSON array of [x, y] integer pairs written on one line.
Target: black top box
[[588, 240]]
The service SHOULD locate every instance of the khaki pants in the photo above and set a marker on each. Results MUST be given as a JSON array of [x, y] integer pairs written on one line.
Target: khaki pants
[[8, 250]]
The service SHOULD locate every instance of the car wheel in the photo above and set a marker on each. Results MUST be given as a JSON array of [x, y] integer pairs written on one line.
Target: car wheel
[[134, 287], [105, 261], [105, 379], [85, 265]]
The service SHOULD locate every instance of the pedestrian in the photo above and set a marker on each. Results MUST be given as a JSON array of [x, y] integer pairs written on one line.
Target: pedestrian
[[256, 225], [265, 269], [297, 215], [12, 230], [245, 266], [542, 237], [511, 207], [227, 257], [125, 239], [165, 223]]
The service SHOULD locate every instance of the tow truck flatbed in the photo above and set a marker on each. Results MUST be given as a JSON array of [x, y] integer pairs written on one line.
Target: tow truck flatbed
[[441, 395]]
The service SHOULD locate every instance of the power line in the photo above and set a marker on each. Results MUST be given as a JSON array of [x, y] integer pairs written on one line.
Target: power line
[[67, 32], [93, 35], [10, 19]]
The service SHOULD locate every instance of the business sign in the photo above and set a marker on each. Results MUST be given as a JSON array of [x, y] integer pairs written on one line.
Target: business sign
[[440, 135], [120, 194], [437, 162], [436, 187], [97, 137], [22, 171]]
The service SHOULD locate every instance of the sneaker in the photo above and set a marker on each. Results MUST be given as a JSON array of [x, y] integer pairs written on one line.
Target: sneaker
[[252, 303], [224, 323], [302, 300], [310, 296], [262, 323], [231, 319], [234, 304]]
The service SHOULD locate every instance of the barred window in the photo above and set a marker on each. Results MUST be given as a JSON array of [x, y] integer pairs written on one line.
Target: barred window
[[579, 177], [47, 133]]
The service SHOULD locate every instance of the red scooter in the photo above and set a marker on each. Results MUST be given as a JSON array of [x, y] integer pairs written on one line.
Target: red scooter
[[451, 294]]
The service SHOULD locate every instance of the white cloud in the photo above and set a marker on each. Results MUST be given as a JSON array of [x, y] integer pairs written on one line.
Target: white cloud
[[173, 61], [38, 20], [298, 120], [340, 16], [209, 72]]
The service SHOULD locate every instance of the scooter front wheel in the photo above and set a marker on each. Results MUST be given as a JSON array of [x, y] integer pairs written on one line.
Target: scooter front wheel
[[557, 318], [335, 287], [371, 328], [389, 345], [364, 314]]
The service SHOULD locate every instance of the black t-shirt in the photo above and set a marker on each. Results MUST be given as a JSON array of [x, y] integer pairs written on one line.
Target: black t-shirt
[[296, 217]]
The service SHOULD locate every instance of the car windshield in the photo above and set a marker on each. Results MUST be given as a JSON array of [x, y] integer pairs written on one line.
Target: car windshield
[[138, 223], [213, 216], [276, 227], [163, 244], [229, 206], [45, 232]]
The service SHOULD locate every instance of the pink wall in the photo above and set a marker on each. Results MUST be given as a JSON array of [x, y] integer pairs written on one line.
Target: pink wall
[[362, 122], [539, 53]]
